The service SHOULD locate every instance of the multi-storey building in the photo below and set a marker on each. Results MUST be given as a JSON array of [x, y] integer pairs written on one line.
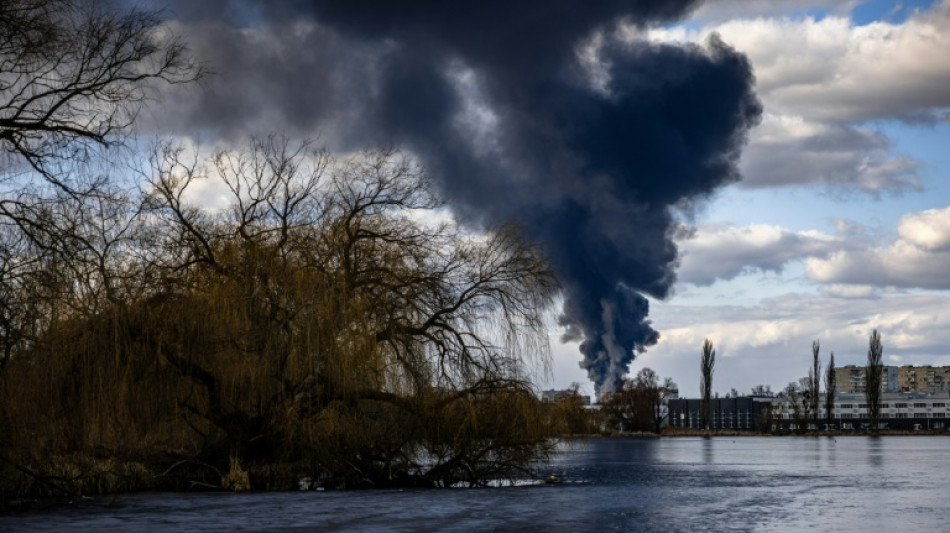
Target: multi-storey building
[[924, 378], [853, 379]]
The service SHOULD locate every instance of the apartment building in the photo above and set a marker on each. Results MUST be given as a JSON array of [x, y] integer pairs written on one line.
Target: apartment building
[[852, 379], [924, 378]]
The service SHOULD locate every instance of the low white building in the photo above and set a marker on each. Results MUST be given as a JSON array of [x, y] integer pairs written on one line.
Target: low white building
[[912, 410]]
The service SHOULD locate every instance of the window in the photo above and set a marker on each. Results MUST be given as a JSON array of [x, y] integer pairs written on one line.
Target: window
[[939, 405], [919, 405], [920, 415], [900, 405], [938, 415], [862, 406], [846, 406], [900, 415], [885, 406]]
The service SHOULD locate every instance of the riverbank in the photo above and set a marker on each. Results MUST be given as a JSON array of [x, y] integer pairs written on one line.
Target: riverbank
[[687, 432]]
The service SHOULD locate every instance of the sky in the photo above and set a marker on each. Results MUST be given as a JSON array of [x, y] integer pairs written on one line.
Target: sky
[[763, 174]]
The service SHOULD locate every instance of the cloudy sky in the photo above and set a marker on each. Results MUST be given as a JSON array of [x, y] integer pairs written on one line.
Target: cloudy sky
[[841, 222], [760, 173]]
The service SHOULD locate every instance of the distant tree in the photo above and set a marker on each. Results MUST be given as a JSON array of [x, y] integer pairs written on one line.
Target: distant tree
[[805, 399], [831, 384], [733, 393], [637, 404], [763, 391], [873, 374], [670, 388], [814, 375], [626, 409], [706, 367], [569, 413], [649, 381], [793, 395]]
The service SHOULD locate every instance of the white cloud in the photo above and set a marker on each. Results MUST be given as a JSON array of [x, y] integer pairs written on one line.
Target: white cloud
[[917, 259], [848, 264], [836, 290], [833, 70], [770, 343], [929, 230], [724, 252], [821, 79]]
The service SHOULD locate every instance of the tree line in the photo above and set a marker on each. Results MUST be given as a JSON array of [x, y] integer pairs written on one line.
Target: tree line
[[805, 395]]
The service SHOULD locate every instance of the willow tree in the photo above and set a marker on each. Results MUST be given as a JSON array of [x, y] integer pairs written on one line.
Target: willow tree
[[706, 365], [873, 378], [73, 77], [325, 324]]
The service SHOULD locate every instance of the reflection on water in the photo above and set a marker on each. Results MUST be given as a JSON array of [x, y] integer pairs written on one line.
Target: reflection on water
[[875, 451], [707, 450], [672, 484]]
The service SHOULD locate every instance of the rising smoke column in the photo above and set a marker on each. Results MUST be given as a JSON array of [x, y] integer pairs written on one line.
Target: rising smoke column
[[532, 111]]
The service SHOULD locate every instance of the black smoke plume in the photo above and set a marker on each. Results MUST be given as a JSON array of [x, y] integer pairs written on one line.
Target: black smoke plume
[[528, 110]]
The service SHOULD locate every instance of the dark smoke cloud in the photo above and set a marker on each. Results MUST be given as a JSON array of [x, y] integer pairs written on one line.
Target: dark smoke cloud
[[492, 97]]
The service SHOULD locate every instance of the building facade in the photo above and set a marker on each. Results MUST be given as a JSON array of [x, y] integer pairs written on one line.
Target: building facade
[[903, 411], [744, 413], [899, 411], [853, 379], [924, 378]]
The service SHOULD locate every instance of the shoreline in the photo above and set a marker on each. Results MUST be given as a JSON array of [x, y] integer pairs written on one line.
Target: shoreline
[[731, 433]]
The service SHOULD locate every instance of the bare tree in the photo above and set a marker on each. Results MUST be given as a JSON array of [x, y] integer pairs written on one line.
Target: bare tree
[[706, 367], [637, 404], [73, 76], [794, 396], [873, 377], [396, 312], [649, 381], [316, 324], [74, 73], [831, 385]]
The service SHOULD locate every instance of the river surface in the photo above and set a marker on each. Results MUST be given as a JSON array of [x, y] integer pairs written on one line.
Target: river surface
[[670, 484]]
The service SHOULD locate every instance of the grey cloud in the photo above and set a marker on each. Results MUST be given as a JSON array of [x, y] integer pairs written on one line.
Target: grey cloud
[[725, 252], [833, 155], [917, 259]]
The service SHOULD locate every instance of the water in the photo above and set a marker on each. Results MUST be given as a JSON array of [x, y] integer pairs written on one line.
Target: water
[[670, 484]]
